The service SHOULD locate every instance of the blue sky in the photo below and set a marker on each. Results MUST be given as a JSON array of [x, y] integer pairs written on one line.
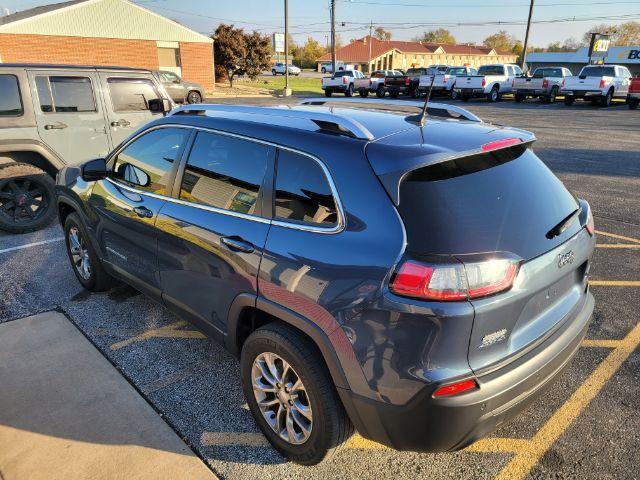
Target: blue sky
[[402, 17]]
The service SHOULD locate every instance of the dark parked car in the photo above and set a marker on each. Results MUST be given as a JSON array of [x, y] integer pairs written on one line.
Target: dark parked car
[[422, 282]]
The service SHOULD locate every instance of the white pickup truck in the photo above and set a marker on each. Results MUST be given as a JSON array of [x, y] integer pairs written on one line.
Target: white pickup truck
[[545, 84], [598, 83], [374, 83], [444, 83], [342, 81], [491, 82]]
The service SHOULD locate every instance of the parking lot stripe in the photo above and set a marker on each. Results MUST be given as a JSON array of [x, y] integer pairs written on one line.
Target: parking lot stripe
[[619, 237], [522, 463], [600, 343], [614, 283], [29, 245], [498, 445], [168, 331], [617, 245]]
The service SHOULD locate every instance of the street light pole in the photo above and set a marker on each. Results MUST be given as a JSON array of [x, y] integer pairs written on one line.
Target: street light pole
[[287, 90], [333, 36], [526, 39], [370, 42]]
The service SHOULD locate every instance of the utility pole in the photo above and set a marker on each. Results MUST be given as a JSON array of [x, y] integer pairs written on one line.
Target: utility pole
[[526, 39], [370, 42], [287, 90], [333, 36]]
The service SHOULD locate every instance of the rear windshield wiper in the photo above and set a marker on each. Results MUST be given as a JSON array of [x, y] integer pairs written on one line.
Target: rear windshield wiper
[[564, 224]]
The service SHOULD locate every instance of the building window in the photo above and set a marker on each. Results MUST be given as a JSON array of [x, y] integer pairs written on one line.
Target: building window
[[169, 57]]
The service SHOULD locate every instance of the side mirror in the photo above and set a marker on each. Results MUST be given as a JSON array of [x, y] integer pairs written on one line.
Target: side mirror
[[159, 105], [177, 81], [94, 170], [134, 175]]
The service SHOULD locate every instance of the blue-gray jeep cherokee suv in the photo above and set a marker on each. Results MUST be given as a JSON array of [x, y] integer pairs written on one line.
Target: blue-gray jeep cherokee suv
[[422, 281]]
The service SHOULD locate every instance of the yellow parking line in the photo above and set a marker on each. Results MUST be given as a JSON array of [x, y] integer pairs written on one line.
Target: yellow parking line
[[619, 237], [617, 245], [587, 342], [498, 445], [614, 283], [522, 463], [168, 331]]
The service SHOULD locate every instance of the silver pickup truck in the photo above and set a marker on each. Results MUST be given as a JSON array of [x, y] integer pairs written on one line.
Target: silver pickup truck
[[544, 84]]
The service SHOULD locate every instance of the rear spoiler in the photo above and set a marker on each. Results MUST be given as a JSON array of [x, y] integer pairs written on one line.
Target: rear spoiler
[[392, 180]]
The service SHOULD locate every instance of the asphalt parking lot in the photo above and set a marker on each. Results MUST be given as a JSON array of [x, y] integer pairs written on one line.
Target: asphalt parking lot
[[588, 426]]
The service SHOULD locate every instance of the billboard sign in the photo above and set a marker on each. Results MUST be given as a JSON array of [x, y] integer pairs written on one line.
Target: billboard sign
[[599, 47], [278, 42]]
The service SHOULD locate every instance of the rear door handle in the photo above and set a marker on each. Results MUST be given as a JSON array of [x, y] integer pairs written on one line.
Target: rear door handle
[[121, 123], [237, 244], [143, 212], [55, 126]]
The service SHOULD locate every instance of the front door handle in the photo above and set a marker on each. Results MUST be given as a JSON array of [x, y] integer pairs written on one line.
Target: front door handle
[[237, 244], [121, 123], [143, 212], [55, 126]]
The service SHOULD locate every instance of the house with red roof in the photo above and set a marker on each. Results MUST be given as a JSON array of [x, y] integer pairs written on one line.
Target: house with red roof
[[369, 53]]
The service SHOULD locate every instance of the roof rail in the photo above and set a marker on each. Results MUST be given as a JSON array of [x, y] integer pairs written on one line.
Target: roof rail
[[434, 109], [327, 122]]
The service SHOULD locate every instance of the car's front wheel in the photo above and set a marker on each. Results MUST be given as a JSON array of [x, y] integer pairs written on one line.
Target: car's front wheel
[[85, 262], [194, 97], [290, 393], [633, 103]]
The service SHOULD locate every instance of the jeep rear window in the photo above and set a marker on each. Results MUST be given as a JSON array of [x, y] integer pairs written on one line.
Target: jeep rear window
[[506, 200], [10, 101]]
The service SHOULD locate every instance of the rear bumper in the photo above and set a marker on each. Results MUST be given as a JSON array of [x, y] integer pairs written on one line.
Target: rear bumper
[[530, 91], [471, 92], [336, 88], [435, 425], [581, 93]]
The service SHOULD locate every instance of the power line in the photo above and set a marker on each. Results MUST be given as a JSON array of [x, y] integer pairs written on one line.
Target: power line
[[478, 5]]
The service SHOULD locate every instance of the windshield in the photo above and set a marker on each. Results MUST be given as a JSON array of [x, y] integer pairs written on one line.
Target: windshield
[[598, 72], [491, 70]]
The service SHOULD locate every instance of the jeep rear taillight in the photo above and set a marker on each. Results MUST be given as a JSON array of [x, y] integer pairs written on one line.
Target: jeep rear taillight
[[602, 83], [484, 82], [450, 282], [345, 80], [407, 81], [545, 83]]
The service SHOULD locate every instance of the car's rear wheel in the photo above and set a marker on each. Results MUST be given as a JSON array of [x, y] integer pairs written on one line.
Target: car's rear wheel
[[520, 97], [194, 97], [454, 94], [394, 93], [569, 100], [327, 93], [415, 93], [273, 72], [552, 95], [380, 92], [323, 70], [85, 262], [27, 199], [290, 393], [465, 98], [349, 91], [363, 93], [607, 99], [493, 95], [633, 103]]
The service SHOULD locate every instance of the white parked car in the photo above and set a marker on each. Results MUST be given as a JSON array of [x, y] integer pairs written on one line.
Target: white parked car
[[598, 83], [279, 68], [444, 83], [328, 68], [545, 84], [342, 81], [492, 81]]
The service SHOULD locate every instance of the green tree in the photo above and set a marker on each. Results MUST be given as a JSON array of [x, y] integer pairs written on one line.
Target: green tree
[[382, 34], [502, 41], [228, 50], [439, 35], [310, 52], [623, 34]]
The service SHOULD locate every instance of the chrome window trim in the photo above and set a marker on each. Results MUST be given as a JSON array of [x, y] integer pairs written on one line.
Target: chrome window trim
[[337, 228]]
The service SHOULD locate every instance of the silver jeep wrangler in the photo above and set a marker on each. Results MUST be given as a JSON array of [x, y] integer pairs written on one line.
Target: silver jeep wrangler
[[57, 115]]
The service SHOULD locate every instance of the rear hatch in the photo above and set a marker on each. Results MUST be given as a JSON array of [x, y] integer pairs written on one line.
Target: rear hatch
[[524, 83], [484, 204]]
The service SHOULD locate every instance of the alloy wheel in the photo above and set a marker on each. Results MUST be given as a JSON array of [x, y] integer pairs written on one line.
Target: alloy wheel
[[23, 200], [79, 253], [282, 398]]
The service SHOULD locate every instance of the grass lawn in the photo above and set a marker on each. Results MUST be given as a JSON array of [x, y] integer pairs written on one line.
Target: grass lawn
[[299, 85]]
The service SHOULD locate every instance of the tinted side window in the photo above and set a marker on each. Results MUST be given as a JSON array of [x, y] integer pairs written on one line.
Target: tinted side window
[[302, 191], [65, 94], [10, 101], [131, 94], [152, 155], [224, 172]]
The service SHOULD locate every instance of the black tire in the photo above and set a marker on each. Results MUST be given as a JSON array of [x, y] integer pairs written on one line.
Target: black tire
[[465, 98], [323, 70], [493, 95], [273, 72], [454, 94], [27, 198], [349, 91], [607, 99], [633, 103], [415, 93], [364, 93], [98, 279], [331, 426], [380, 92], [551, 98], [519, 97], [569, 100], [394, 93], [194, 97], [327, 93]]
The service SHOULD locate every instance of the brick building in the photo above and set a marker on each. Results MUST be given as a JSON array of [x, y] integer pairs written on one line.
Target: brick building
[[106, 32], [399, 54]]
